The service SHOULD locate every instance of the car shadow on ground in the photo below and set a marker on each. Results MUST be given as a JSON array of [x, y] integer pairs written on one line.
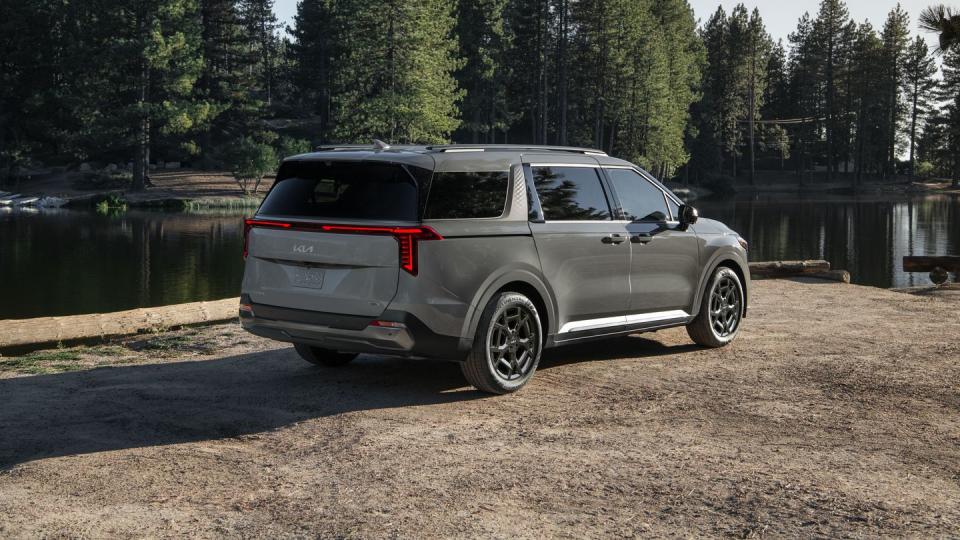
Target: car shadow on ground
[[121, 407]]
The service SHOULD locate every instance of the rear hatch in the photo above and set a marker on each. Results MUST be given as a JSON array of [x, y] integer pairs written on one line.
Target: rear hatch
[[333, 236]]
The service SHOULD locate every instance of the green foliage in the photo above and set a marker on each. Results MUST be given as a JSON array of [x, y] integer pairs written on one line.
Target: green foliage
[[249, 161], [202, 80], [484, 41], [111, 204], [290, 146], [944, 21], [395, 78]]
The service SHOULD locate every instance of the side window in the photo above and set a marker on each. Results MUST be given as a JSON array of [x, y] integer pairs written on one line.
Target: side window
[[571, 194], [463, 195], [640, 200], [674, 209]]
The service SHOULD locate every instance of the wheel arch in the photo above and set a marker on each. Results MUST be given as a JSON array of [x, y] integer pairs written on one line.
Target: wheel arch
[[521, 281], [732, 260]]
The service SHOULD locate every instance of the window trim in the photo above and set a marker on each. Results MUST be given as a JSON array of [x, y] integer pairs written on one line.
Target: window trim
[[604, 187], [667, 195]]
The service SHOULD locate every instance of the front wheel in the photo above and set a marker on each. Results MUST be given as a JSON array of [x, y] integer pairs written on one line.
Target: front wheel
[[323, 357], [721, 310], [506, 349]]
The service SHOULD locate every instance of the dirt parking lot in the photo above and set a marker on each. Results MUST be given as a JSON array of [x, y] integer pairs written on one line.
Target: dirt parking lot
[[836, 413]]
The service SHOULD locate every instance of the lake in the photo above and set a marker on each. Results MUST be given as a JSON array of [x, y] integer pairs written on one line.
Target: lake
[[67, 262]]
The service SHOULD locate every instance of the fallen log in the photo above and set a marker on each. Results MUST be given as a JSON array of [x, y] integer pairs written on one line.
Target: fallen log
[[928, 264], [783, 269], [23, 333], [831, 275]]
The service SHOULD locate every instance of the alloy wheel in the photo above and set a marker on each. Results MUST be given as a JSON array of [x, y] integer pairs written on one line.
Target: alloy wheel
[[512, 343], [725, 307]]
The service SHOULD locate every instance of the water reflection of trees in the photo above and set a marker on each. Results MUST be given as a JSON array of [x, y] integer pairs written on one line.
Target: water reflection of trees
[[867, 237], [80, 262]]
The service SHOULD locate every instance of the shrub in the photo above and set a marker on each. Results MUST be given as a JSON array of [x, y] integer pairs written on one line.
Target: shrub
[[925, 169], [289, 146], [249, 161]]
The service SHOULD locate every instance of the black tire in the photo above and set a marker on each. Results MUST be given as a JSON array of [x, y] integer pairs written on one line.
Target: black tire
[[507, 347], [724, 297], [323, 357]]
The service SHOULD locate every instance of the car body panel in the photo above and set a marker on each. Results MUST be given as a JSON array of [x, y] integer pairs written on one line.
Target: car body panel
[[586, 288]]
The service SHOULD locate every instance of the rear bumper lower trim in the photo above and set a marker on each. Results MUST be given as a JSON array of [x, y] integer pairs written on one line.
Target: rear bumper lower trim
[[350, 333]]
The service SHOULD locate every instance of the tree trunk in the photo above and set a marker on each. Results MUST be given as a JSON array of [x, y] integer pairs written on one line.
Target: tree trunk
[[143, 132], [913, 131]]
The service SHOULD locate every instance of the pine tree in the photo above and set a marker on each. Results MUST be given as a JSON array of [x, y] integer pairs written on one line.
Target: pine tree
[[225, 81], [896, 41], [949, 94], [805, 91], [483, 40], [531, 25], [711, 113], [828, 29], [867, 58], [150, 73], [776, 102], [395, 79], [262, 25], [920, 71], [315, 52]]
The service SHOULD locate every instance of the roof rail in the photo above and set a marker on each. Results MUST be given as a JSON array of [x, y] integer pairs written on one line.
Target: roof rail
[[513, 148], [328, 147]]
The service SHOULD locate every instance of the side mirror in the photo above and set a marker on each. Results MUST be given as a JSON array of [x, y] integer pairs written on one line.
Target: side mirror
[[688, 215]]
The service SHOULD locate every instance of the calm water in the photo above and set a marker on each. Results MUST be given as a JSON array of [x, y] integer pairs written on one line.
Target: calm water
[[69, 262], [867, 236]]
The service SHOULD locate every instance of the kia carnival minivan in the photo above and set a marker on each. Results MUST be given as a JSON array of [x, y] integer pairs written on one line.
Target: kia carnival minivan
[[485, 255]]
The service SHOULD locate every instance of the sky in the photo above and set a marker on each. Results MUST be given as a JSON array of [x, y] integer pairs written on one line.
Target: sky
[[780, 16]]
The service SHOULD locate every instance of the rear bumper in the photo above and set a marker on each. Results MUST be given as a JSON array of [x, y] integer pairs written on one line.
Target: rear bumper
[[349, 333]]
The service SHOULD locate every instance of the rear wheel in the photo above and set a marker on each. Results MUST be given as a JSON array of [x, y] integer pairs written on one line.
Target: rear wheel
[[323, 357], [721, 310], [506, 349]]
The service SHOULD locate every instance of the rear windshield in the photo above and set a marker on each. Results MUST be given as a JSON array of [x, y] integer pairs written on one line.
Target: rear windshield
[[466, 195], [349, 190]]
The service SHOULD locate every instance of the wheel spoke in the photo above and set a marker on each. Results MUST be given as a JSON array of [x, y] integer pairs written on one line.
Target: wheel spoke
[[513, 342]]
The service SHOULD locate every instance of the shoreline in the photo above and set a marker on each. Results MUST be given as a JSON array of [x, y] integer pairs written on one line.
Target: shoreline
[[18, 336]]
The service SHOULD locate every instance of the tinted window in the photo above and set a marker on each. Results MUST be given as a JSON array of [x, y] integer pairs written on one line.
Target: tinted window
[[459, 195], [381, 192], [674, 208], [639, 199], [571, 193]]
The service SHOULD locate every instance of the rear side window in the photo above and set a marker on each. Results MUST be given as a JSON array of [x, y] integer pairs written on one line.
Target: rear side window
[[464, 195], [364, 191], [571, 194]]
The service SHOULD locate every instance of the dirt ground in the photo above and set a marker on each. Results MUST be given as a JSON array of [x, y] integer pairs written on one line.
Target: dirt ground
[[836, 413]]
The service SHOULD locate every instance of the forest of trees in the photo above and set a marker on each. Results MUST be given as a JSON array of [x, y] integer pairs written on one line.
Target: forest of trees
[[214, 82]]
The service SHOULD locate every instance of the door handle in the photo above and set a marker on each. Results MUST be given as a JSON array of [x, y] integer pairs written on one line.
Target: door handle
[[613, 239], [642, 238]]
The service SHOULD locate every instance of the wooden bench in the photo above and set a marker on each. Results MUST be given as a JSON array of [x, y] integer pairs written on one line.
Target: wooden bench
[[939, 267]]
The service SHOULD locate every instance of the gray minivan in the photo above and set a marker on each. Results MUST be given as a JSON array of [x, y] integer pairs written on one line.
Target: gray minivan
[[484, 254]]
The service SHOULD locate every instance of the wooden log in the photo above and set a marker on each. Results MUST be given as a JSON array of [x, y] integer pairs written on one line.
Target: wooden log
[[832, 275], [781, 269], [21, 333], [927, 264]]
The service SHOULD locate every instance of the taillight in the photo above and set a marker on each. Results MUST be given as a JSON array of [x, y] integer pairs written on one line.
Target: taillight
[[407, 237], [251, 223]]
